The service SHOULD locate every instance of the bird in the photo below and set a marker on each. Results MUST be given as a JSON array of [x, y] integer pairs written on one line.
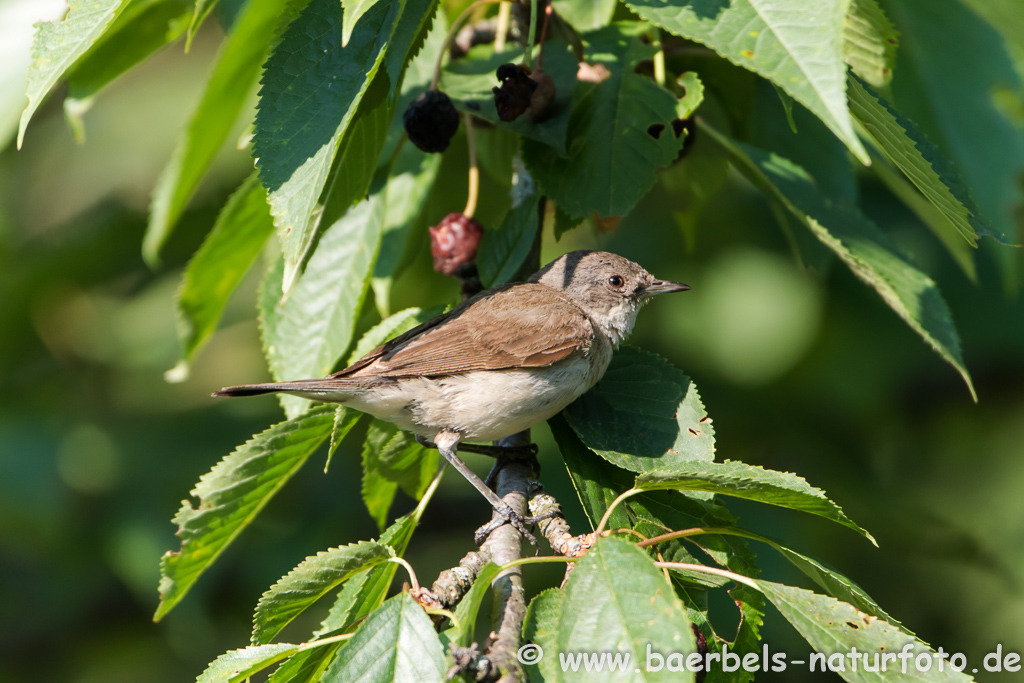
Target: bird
[[497, 364]]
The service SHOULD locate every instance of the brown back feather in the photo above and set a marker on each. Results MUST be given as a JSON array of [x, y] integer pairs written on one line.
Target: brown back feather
[[519, 325]]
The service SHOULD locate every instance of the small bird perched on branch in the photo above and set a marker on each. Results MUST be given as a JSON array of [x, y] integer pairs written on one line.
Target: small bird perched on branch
[[497, 364]]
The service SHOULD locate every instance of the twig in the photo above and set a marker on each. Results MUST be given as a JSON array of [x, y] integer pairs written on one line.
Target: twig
[[474, 170], [452, 584], [556, 529]]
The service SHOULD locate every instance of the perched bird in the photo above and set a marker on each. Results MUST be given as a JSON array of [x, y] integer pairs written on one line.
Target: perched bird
[[497, 364]]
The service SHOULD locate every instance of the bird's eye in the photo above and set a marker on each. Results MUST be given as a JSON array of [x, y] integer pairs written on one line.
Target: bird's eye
[[615, 281]]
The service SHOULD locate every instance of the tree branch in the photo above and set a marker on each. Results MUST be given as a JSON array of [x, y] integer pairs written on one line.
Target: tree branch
[[452, 584]]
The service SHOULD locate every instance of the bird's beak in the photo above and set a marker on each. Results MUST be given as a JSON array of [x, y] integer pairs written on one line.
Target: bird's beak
[[664, 286]]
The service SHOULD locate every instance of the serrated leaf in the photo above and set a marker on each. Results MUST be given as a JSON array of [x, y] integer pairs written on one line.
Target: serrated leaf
[[238, 665], [354, 9], [619, 132], [139, 31], [306, 335], [397, 642], [392, 458], [57, 45], [232, 494], [469, 606], [643, 415], [863, 247], [564, 222], [239, 233], [792, 43], [469, 81], [741, 480], [311, 90], [951, 101], [615, 601], [921, 161], [344, 420], [834, 628], [541, 618], [227, 88], [360, 595], [503, 251], [313, 578], [869, 42]]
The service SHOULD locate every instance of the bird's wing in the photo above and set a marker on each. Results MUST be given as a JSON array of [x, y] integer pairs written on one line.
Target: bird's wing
[[521, 325]]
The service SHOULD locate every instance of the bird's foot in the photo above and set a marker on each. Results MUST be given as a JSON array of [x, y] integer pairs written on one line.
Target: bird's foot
[[506, 515]]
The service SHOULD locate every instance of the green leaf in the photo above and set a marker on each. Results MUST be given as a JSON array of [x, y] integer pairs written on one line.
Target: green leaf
[[312, 88], [643, 415], [469, 81], [585, 15], [615, 601], [313, 578], [139, 31], [395, 643], [360, 595], [306, 335], [354, 10], [391, 327], [202, 10], [503, 251], [869, 42], [866, 250], [738, 479], [58, 45], [232, 494], [227, 88], [619, 132], [238, 665], [797, 45], [930, 171], [564, 221], [541, 619], [469, 606], [227, 253], [392, 458], [834, 628], [344, 421], [951, 101]]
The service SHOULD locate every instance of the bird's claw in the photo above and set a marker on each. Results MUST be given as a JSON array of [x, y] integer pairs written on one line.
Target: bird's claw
[[506, 515]]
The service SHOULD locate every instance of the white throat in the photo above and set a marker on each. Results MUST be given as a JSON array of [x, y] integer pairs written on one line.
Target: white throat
[[617, 322]]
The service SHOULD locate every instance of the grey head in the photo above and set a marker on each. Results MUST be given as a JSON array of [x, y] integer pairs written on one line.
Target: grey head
[[607, 287]]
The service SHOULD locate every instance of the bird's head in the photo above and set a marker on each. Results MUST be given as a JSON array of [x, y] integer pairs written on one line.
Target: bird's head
[[607, 287]]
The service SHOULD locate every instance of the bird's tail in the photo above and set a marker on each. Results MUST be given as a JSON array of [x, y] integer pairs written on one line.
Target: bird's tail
[[309, 388]]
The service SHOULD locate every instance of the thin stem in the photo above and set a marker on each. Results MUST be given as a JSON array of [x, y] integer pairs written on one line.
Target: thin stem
[[654, 540], [429, 493], [533, 32], [408, 568], [325, 641], [444, 613], [543, 37], [474, 170], [456, 25], [501, 30], [609, 532], [686, 566], [611, 508], [659, 57], [540, 559]]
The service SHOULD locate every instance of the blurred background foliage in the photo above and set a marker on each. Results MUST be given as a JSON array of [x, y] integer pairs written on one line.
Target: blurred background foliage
[[802, 368]]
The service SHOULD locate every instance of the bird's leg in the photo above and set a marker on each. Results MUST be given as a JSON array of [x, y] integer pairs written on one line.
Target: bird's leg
[[447, 442], [511, 452]]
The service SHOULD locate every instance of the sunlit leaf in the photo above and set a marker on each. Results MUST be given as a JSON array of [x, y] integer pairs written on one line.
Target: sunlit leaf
[[392, 458], [866, 250], [869, 42], [232, 494], [313, 578], [797, 45], [239, 665], [739, 479], [395, 643], [238, 235], [58, 44], [228, 86]]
